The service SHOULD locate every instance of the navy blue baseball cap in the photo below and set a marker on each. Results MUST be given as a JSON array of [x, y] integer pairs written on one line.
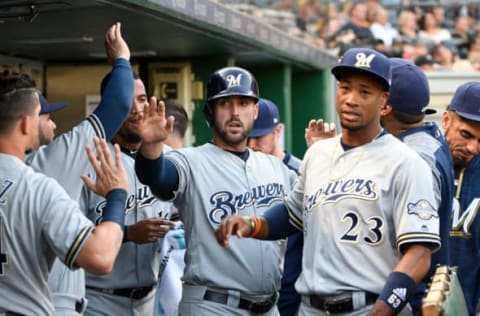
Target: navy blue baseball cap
[[46, 107], [466, 101], [409, 92], [268, 118], [365, 60]]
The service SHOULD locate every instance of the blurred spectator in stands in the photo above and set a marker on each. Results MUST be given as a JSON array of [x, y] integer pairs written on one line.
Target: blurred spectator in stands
[[372, 7], [425, 62], [420, 50], [430, 30], [438, 12], [310, 12], [407, 25], [463, 34], [328, 28], [355, 32], [446, 56], [407, 50], [474, 52], [382, 29]]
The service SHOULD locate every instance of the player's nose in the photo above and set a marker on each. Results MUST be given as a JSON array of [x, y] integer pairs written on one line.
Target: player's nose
[[352, 98]]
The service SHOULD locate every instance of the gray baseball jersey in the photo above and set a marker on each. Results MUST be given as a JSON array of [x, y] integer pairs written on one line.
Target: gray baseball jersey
[[137, 265], [38, 222], [65, 160], [214, 183], [358, 207]]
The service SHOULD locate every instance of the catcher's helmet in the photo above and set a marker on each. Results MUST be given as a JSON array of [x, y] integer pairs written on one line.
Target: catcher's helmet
[[229, 81]]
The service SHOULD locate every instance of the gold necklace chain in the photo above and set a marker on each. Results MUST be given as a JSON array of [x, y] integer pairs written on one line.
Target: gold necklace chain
[[331, 177]]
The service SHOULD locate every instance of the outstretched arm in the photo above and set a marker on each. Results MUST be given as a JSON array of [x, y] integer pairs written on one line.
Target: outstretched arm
[[117, 97], [150, 165], [101, 247], [273, 225]]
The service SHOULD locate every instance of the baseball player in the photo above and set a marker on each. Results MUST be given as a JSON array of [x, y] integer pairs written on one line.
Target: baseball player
[[265, 137], [129, 288], [38, 220], [461, 125], [68, 287], [209, 182], [403, 117], [47, 125], [364, 202]]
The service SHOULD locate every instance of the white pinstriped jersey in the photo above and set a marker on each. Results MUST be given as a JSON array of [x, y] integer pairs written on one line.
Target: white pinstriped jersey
[[214, 183], [65, 159], [358, 207], [38, 222]]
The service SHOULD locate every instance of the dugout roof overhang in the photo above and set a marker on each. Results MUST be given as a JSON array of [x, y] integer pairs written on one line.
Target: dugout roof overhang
[[73, 30]]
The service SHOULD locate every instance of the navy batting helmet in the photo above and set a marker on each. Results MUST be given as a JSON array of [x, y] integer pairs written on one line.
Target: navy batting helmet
[[229, 81]]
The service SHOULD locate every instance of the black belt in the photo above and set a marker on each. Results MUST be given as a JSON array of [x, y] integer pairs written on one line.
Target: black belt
[[339, 303], [135, 293], [254, 307]]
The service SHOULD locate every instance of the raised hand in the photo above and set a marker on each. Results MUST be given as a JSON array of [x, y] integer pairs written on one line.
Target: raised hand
[[110, 171], [149, 230], [232, 225], [156, 127], [318, 130], [115, 45]]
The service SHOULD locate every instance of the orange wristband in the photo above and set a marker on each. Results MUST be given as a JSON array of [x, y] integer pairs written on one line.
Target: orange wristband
[[258, 225]]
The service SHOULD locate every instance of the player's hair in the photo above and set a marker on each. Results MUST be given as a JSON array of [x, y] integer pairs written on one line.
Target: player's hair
[[17, 99], [406, 118], [106, 79], [181, 117]]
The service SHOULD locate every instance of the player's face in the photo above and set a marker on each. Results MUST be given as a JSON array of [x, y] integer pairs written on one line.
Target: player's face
[[131, 128], [265, 143], [234, 117], [46, 129], [463, 137], [359, 100]]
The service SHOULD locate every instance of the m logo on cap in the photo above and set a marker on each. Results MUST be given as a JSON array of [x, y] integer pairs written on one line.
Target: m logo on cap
[[364, 60], [233, 81]]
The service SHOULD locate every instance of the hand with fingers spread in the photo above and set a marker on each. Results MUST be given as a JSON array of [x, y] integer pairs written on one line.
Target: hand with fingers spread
[[156, 129], [149, 230], [110, 171], [233, 225], [115, 45], [318, 130]]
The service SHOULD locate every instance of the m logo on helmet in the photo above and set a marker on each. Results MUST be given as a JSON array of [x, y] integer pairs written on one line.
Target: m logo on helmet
[[364, 60], [233, 81]]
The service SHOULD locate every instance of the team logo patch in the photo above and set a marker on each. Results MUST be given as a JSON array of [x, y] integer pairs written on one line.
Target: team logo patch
[[364, 60], [422, 209], [233, 81]]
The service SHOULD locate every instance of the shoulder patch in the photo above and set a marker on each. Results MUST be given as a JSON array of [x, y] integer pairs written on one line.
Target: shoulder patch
[[422, 209]]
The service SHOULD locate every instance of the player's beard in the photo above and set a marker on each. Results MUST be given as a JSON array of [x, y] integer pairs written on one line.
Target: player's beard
[[232, 140], [129, 136], [458, 162]]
